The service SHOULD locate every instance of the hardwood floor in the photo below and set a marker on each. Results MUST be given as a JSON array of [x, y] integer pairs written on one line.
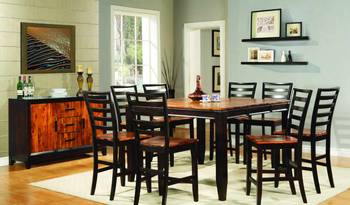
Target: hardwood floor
[[15, 188]]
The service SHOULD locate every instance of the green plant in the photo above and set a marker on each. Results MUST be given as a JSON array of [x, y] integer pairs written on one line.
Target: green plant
[[169, 71]]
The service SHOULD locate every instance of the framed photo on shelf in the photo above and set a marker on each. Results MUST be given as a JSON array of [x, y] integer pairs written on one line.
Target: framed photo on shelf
[[47, 48], [266, 23], [266, 56], [216, 79], [253, 54], [294, 29], [215, 43]]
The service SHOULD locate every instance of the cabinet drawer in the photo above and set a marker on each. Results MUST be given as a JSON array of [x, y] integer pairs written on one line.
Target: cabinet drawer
[[68, 109], [69, 124], [69, 140]]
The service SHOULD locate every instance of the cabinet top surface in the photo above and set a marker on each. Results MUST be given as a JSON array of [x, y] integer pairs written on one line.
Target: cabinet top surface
[[43, 99]]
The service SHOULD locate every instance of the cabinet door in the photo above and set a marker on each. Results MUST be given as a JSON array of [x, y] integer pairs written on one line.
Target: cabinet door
[[43, 134]]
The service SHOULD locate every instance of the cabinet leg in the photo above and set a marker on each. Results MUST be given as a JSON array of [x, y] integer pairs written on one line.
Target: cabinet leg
[[11, 161], [28, 164]]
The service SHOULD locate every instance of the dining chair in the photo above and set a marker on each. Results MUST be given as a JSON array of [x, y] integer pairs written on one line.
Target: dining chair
[[105, 133], [173, 120], [142, 107], [320, 131], [286, 143], [235, 89], [121, 103]]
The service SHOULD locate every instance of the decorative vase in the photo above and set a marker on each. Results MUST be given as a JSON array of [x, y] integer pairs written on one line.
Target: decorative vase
[[80, 80], [171, 93], [89, 81], [283, 57], [197, 94], [290, 59]]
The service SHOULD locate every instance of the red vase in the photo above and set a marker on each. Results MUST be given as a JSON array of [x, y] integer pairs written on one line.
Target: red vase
[[197, 94]]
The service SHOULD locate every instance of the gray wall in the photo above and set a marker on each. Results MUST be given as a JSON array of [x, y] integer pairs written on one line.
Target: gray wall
[[190, 11], [207, 61], [166, 33], [327, 51]]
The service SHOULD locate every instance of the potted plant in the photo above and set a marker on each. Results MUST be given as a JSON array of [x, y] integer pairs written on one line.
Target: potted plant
[[169, 73]]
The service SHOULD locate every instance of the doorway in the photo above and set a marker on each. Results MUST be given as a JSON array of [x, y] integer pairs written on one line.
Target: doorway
[[198, 57]]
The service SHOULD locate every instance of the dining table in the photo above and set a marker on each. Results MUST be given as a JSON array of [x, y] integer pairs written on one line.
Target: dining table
[[220, 111]]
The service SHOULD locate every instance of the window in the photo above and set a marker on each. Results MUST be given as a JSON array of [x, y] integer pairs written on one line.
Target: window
[[135, 46]]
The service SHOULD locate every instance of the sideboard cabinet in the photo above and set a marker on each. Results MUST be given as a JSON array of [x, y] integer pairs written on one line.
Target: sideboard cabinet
[[41, 129]]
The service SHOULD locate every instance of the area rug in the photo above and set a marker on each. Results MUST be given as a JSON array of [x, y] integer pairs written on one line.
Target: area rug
[[79, 185]]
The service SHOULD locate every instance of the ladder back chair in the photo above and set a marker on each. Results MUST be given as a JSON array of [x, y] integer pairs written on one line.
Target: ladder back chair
[[286, 143], [235, 89], [155, 105], [105, 133], [121, 103], [173, 120]]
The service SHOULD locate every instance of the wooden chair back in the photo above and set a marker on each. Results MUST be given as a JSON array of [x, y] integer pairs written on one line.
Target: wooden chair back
[[277, 90], [156, 88], [322, 115], [246, 90]]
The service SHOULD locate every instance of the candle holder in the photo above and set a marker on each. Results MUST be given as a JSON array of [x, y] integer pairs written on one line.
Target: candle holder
[[80, 80], [89, 81]]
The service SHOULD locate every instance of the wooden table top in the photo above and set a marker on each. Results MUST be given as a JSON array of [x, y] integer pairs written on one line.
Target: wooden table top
[[224, 104]]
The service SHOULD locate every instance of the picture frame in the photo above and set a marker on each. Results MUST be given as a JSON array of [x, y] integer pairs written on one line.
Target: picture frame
[[47, 48], [294, 29], [266, 56], [216, 79], [253, 54], [215, 43], [266, 23]]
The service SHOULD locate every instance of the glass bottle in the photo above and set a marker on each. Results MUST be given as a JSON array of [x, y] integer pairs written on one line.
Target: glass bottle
[[25, 87], [19, 87], [30, 87]]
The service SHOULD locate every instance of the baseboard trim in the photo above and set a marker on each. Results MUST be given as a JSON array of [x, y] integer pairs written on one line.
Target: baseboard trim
[[4, 161]]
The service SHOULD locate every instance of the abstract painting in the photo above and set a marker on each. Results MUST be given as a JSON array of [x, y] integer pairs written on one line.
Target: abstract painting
[[47, 48]]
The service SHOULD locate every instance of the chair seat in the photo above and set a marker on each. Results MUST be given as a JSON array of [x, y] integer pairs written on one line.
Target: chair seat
[[122, 136], [306, 133], [173, 119], [266, 120], [272, 139], [238, 119], [158, 141]]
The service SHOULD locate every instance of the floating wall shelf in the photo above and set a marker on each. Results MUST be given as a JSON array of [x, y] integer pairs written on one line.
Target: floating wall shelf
[[302, 38], [275, 63]]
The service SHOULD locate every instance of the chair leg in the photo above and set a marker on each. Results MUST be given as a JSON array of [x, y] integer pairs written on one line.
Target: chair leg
[[165, 179], [263, 131], [230, 139], [259, 176], [191, 130], [194, 173], [114, 175], [299, 175], [122, 163], [148, 176], [138, 182], [172, 154], [328, 162], [237, 142], [247, 131], [160, 176], [249, 167], [276, 157], [94, 175], [211, 155], [314, 166], [286, 159]]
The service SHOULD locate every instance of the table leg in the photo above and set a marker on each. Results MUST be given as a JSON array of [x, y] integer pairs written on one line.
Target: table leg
[[201, 139], [284, 119], [221, 156], [131, 162]]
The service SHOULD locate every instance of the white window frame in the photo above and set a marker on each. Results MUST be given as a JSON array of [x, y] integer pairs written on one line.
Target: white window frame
[[120, 10]]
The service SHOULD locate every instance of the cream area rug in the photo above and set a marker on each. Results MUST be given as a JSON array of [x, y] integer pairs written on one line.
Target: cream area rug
[[79, 185]]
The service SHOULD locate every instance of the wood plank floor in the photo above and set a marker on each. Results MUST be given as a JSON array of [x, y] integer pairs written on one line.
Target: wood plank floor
[[15, 188]]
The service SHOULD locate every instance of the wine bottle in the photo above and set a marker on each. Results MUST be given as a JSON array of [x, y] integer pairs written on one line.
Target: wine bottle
[[25, 87], [30, 87], [19, 87]]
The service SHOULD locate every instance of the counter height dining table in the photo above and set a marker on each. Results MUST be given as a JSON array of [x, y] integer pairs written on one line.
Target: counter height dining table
[[220, 112]]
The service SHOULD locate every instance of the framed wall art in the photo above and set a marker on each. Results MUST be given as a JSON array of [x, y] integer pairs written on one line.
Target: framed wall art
[[266, 23], [215, 43], [47, 48], [216, 79], [294, 29], [266, 56], [253, 54]]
